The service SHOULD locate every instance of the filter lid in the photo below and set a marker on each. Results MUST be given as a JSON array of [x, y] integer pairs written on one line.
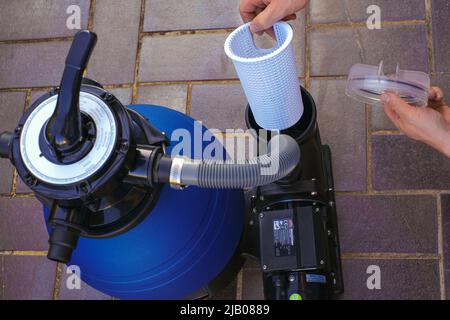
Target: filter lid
[[366, 83], [65, 174]]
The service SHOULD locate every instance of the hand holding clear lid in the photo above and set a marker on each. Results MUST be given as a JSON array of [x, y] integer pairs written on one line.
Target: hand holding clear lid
[[366, 83]]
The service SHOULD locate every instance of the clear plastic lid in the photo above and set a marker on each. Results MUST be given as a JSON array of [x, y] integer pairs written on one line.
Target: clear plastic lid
[[366, 83]]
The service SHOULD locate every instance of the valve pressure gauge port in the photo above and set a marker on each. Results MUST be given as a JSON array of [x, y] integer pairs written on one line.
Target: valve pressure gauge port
[[5, 144]]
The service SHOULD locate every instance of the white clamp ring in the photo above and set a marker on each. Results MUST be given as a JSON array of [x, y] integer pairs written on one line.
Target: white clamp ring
[[175, 173]]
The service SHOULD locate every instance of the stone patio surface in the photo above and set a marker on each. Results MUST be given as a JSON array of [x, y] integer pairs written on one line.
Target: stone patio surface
[[393, 195]]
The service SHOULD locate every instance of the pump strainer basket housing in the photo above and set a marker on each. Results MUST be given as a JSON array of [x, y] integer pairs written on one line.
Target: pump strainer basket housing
[[268, 76]]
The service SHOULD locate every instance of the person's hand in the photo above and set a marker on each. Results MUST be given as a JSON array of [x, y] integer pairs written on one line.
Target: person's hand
[[430, 125], [265, 13]]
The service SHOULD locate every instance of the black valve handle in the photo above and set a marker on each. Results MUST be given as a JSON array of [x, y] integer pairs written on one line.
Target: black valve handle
[[64, 128]]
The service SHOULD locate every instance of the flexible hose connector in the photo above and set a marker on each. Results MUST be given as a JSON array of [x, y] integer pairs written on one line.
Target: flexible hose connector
[[282, 157]]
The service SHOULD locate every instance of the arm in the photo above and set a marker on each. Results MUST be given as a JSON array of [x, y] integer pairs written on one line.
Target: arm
[[430, 125], [264, 13]]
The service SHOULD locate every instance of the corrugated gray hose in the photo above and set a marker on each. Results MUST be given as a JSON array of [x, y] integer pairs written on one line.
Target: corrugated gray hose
[[282, 157]]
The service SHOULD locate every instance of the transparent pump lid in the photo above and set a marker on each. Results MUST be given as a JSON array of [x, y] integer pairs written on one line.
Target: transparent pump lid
[[366, 83]]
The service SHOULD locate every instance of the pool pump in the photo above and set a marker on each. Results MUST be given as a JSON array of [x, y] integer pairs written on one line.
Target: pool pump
[[291, 224], [116, 201]]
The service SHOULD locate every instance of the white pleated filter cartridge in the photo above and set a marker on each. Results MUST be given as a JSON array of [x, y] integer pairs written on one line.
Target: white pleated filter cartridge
[[268, 76]]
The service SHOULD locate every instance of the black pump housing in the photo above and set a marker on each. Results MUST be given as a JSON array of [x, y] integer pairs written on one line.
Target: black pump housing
[[291, 224]]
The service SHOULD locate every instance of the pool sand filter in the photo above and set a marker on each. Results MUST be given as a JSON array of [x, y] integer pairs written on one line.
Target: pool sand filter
[[144, 223]]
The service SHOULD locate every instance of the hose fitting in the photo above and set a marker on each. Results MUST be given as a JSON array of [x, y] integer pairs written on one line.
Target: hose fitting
[[5, 144], [282, 158]]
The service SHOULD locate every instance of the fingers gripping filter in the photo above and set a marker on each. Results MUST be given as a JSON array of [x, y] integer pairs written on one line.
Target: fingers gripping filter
[[268, 76], [367, 83]]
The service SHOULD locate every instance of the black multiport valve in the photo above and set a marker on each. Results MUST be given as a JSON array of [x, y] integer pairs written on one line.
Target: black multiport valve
[[91, 163]]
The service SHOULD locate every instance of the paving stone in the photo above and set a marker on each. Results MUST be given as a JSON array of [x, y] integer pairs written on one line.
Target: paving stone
[[219, 106], [11, 107], [379, 120], [22, 225], [334, 51], [330, 11], [23, 19], [35, 95], [116, 23], [400, 163], [442, 81], [27, 277], [400, 280], [252, 263], [181, 58], [32, 64], [228, 293], [342, 126], [6, 174], [185, 57], [183, 15], [164, 15], [172, 96], [84, 293], [21, 187], [299, 43], [402, 224], [123, 94], [252, 284], [440, 11]]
